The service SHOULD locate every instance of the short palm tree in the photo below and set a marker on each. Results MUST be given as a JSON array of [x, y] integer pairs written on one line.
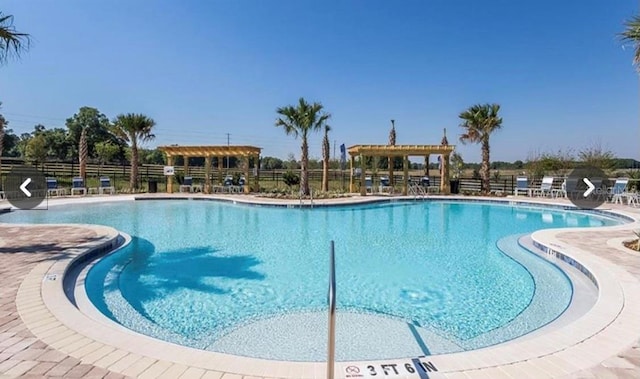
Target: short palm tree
[[299, 121], [326, 149], [11, 41], [631, 35], [479, 121], [134, 129]]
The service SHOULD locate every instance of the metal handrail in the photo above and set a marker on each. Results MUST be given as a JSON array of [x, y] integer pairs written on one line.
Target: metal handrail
[[331, 298]]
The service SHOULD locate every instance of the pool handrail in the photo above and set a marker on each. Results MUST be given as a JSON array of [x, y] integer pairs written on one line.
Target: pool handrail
[[331, 299]]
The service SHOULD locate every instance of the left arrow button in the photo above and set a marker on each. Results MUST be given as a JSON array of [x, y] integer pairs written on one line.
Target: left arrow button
[[23, 187]]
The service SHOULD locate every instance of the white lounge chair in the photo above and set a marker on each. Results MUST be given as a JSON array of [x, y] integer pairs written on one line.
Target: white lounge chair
[[545, 187], [522, 186], [619, 190]]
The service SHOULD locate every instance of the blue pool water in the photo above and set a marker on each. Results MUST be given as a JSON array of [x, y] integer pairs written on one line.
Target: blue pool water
[[253, 280]]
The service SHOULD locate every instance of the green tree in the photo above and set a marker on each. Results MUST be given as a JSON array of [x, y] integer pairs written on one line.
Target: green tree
[[97, 130], [479, 121], [106, 151], [57, 143], [272, 163], [390, 160], [12, 42], [36, 149], [631, 35], [597, 156], [134, 129], [299, 121], [326, 155]]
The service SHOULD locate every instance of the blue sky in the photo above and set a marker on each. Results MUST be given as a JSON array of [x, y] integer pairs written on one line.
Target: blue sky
[[203, 69]]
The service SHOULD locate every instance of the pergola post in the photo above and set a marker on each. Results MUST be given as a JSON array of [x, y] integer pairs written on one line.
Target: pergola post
[[220, 167], [351, 164], [186, 165], [246, 175], [169, 177], [257, 175], [207, 174], [390, 161], [363, 183], [405, 168], [444, 180], [426, 165]]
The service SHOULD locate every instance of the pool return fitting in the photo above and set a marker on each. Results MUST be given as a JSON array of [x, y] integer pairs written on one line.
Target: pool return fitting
[[331, 299]]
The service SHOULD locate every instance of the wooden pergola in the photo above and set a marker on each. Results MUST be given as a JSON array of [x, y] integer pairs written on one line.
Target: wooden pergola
[[209, 152], [404, 151]]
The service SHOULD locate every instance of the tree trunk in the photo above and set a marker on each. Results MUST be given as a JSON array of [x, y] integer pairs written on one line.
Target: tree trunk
[[390, 162], [83, 153], [304, 162], [133, 180], [484, 168], [325, 175]]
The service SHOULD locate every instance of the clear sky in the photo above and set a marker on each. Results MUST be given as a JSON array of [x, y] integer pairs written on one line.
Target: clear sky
[[203, 69]]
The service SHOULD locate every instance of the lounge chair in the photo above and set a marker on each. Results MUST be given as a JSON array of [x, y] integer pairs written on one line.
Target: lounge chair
[[545, 187], [228, 184], [385, 184], [105, 186], [368, 184], [187, 184], [241, 183], [77, 185], [522, 185], [619, 190], [52, 188]]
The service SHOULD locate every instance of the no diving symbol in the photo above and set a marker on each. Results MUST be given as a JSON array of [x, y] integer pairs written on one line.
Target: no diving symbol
[[352, 370]]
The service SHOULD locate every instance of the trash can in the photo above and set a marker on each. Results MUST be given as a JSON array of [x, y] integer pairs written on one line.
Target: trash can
[[455, 186], [153, 186]]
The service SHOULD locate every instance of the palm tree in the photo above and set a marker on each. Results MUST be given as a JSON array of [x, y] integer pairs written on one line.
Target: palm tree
[[631, 35], [11, 41], [83, 154], [326, 149], [300, 120], [479, 121], [133, 128], [392, 142]]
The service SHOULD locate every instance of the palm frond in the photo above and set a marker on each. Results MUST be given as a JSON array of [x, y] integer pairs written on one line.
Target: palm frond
[[11, 41]]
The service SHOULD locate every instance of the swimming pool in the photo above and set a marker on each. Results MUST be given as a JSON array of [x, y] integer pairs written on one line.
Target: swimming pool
[[414, 278]]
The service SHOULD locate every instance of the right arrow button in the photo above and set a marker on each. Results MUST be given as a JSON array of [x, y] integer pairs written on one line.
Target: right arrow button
[[590, 189]]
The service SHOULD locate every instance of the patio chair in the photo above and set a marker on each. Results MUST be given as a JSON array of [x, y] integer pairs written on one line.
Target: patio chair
[[105, 186], [228, 184], [385, 184], [522, 186], [187, 184], [545, 187], [241, 183], [52, 188], [77, 185], [368, 184], [619, 190]]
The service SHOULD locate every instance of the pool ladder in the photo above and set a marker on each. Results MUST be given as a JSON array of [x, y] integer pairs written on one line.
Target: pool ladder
[[331, 299], [310, 194], [417, 191]]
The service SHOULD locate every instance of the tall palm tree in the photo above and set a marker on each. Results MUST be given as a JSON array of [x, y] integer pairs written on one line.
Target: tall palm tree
[[631, 35], [133, 128], [83, 153], [392, 142], [479, 121], [299, 121], [11, 41], [326, 149]]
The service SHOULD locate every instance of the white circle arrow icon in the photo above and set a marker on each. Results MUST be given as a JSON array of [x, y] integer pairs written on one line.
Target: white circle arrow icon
[[23, 187], [590, 185]]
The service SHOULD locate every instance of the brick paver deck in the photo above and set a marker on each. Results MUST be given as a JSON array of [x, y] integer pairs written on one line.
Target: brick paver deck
[[21, 353]]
